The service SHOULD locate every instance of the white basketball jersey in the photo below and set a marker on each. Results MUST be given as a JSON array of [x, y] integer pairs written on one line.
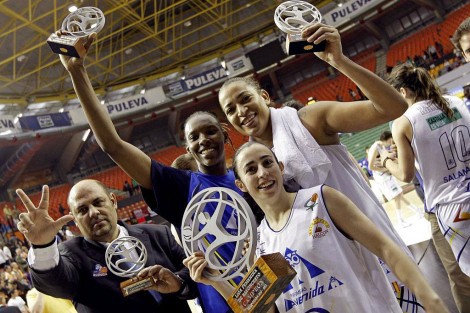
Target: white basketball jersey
[[332, 275], [442, 149]]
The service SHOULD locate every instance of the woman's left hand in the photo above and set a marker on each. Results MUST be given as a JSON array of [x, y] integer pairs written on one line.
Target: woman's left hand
[[317, 33], [196, 264]]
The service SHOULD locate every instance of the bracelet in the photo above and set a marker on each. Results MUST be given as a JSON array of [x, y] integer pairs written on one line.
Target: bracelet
[[183, 284], [45, 245], [385, 161]]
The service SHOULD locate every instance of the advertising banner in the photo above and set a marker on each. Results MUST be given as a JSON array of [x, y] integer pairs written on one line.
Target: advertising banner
[[37, 122], [349, 10]]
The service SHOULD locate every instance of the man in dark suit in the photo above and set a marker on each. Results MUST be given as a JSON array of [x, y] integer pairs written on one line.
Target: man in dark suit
[[76, 269]]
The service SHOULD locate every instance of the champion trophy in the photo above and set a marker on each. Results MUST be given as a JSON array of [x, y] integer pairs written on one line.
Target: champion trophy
[[126, 257], [290, 17], [77, 25], [220, 223]]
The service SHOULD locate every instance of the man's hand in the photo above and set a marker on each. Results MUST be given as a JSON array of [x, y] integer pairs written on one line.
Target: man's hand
[[165, 280], [37, 225]]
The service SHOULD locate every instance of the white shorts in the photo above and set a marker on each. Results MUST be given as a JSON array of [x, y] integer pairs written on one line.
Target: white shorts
[[454, 222], [388, 185]]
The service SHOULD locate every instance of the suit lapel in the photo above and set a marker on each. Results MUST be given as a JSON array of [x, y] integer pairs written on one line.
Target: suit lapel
[[144, 237], [95, 251]]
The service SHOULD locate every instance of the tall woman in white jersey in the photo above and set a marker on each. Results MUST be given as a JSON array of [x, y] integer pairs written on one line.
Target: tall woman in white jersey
[[435, 130], [318, 231]]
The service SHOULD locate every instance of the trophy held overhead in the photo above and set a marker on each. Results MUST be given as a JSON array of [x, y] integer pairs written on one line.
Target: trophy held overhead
[[291, 17], [76, 26]]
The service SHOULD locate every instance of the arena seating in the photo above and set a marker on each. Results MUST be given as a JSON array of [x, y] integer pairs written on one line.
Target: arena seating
[[167, 155], [422, 39], [320, 86], [137, 210], [2, 205], [357, 142], [57, 195], [113, 178], [323, 88]]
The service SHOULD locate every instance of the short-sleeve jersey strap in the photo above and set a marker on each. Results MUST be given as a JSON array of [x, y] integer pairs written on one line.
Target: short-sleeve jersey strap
[[169, 193]]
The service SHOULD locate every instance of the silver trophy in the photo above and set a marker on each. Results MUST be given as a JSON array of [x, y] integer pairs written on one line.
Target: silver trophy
[[291, 17], [220, 223], [77, 25], [126, 257]]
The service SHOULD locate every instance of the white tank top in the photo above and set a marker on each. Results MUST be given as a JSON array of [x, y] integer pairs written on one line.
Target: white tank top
[[442, 150], [332, 275]]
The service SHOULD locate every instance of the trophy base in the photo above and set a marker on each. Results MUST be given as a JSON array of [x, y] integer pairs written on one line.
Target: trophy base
[[295, 44], [262, 285], [134, 285], [66, 45]]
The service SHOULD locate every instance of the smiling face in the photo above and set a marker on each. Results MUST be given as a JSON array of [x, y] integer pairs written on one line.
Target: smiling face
[[259, 173], [94, 211], [245, 108], [205, 141]]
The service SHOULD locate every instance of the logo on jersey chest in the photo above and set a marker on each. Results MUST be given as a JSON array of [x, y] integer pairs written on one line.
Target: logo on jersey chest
[[318, 228], [312, 202], [100, 271]]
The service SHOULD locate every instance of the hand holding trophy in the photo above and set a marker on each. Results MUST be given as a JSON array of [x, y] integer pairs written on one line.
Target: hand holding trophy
[[126, 257], [76, 26], [291, 17], [219, 223]]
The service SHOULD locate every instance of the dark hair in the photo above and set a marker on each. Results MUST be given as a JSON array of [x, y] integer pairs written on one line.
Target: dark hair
[[463, 28], [250, 81], [197, 113], [293, 104], [237, 153], [386, 135], [219, 125], [466, 91], [420, 83], [257, 211]]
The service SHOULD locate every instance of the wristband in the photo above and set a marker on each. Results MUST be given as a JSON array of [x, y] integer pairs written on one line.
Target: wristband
[[43, 246], [183, 284], [385, 161]]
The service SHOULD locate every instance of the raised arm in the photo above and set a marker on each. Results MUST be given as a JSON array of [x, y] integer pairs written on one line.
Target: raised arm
[[36, 224], [349, 219], [48, 273], [131, 159], [403, 167], [385, 103]]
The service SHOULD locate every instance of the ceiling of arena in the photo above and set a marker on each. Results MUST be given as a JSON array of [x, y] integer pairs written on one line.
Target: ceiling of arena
[[142, 40], [144, 43]]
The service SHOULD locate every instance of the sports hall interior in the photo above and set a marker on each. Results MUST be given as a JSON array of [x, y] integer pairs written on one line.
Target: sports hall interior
[[152, 44]]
